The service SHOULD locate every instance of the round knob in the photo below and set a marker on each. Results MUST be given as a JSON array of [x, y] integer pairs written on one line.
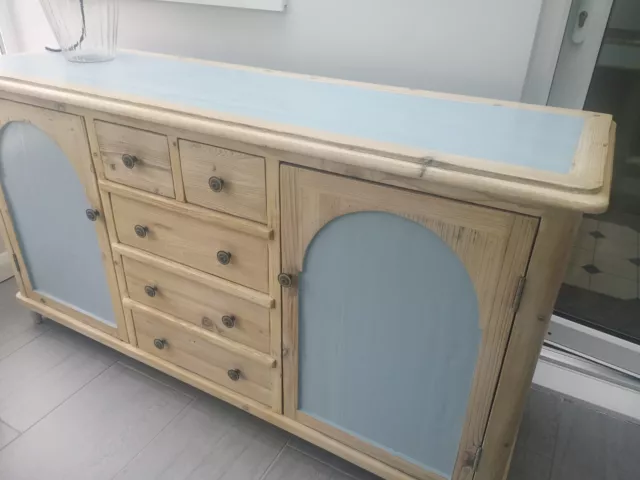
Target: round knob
[[234, 374], [129, 161], [150, 290], [223, 257], [92, 214], [216, 184], [229, 321], [207, 322], [141, 230], [285, 280], [160, 343]]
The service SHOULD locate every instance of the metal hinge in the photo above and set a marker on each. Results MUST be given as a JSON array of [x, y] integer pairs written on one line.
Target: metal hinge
[[476, 459], [16, 263], [519, 291]]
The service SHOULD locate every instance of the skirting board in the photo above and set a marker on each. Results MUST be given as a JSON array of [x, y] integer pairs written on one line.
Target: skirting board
[[6, 271]]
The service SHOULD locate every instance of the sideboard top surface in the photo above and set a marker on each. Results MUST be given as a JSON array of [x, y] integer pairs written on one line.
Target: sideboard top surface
[[556, 149]]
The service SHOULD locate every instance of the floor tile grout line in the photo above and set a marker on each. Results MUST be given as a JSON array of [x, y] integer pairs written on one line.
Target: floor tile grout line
[[73, 394], [275, 459], [322, 461], [144, 447], [47, 330]]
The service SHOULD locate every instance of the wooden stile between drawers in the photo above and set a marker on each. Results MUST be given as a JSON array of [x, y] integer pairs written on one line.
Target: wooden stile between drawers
[[151, 171]]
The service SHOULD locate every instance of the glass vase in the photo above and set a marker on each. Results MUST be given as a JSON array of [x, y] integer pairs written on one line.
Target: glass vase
[[86, 30]]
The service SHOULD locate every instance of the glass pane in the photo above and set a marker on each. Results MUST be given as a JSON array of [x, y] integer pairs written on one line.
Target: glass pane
[[389, 336], [47, 203]]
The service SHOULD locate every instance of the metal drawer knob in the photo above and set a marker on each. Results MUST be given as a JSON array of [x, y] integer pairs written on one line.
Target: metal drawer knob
[[92, 214], [223, 257], [141, 230], [234, 374], [160, 343], [129, 161], [151, 290], [216, 184], [285, 280], [229, 321]]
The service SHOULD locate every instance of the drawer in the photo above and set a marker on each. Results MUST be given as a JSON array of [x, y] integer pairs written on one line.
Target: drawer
[[202, 355], [136, 158], [193, 242], [224, 180], [243, 322]]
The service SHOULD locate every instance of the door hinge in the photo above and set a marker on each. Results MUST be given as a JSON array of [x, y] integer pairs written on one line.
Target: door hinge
[[476, 459], [16, 263], [517, 299]]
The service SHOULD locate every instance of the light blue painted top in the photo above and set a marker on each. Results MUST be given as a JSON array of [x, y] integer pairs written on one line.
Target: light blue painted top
[[543, 140]]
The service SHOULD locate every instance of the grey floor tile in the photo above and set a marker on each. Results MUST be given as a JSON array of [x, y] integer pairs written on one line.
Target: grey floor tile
[[209, 440], [7, 434], [295, 465], [44, 373], [330, 459], [95, 433], [16, 326], [586, 448], [160, 376]]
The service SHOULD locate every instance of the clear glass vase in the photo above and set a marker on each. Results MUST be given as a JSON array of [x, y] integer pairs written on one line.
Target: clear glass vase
[[86, 30]]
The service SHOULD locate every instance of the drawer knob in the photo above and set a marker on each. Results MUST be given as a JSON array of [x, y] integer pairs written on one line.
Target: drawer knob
[[151, 290], [223, 257], [285, 280], [129, 161], [229, 321], [92, 214], [234, 374], [160, 343], [141, 230], [216, 184]]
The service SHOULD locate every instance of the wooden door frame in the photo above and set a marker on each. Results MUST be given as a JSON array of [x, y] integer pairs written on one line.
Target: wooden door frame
[[76, 149], [518, 244]]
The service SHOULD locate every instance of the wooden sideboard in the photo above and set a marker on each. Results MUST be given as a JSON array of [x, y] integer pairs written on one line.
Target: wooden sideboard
[[370, 268]]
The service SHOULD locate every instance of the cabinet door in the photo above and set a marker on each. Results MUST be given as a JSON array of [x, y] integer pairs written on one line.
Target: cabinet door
[[46, 187], [398, 318]]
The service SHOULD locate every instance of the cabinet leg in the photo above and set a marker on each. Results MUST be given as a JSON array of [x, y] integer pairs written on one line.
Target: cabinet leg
[[37, 318]]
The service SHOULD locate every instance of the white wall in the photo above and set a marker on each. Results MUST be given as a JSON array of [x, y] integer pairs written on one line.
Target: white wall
[[464, 46]]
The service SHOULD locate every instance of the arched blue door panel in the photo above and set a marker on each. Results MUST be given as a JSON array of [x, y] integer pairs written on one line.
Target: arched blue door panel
[[388, 336], [47, 203]]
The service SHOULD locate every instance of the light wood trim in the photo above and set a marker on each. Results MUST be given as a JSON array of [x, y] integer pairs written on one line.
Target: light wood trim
[[548, 263], [176, 168], [225, 286], [193, 211], [255, 408], [235, 347], [272, 166], [10, 239], [399, 162], [367, 448]]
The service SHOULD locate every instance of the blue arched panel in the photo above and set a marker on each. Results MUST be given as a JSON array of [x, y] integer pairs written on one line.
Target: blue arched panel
[[47, 204], [388, 336]]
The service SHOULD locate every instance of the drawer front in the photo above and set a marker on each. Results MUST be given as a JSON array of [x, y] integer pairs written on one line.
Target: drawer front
[[136, 158], [224, 180], [193, 242], [224, 314], [199, 355]]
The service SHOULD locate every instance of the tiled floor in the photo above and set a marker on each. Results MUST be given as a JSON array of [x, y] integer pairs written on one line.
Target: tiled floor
[[71, 408], [602, 284]]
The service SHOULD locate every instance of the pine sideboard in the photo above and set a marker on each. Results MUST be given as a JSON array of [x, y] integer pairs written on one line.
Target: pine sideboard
[[370, 268]]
